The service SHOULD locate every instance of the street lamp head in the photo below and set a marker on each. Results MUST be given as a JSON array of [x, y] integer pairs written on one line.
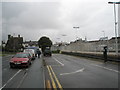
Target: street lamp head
[[113, 2], [110, 2], [75, 27]]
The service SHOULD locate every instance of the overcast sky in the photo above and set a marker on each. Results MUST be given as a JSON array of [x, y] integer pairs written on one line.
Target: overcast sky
[[55, 19]]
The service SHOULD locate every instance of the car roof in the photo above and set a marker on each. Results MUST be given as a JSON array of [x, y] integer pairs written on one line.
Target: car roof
[[22, 53]]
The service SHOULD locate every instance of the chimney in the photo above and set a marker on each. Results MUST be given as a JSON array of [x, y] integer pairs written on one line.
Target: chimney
[[9, 37], [19, 36]]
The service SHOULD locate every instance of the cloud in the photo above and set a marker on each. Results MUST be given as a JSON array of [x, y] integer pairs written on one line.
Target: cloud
[[35, 19]]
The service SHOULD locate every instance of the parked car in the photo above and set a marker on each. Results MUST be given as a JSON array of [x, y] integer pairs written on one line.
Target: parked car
[[47, 52], [20, 59], [31, 51]]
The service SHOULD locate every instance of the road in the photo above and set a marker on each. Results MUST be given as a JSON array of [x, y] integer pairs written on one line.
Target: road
[[64, 71], [61, 71], [31, 77]]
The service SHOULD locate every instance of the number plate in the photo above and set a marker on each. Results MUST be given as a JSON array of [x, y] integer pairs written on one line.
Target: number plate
[[17, 63]]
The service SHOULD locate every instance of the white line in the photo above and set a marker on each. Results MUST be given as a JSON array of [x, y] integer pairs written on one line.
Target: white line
[[58, 61], [106, 68], [22, 80], [11, 78], [81, 70]]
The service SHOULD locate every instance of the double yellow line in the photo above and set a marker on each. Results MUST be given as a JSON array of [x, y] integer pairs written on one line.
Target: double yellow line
[[52, 77]]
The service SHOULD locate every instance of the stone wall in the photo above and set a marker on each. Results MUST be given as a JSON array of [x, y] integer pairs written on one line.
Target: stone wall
[[89, 46]]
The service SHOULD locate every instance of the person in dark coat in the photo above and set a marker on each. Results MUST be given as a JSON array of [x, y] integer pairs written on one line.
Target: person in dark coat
[[105, 54], [38, 52]]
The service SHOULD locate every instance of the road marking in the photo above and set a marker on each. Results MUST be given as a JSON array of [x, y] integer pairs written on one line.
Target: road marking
[[48, 86], [58, 61], [81, 70], [59, 85], [53, 83], [11, 78], [106, 68], [22, 80]]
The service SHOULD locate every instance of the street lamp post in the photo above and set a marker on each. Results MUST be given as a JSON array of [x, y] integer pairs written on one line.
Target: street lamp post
[[116, 41], [103, 34], [76, 31], [63, 35]]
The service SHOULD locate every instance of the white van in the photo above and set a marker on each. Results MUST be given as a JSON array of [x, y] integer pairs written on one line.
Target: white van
[[31, 51]]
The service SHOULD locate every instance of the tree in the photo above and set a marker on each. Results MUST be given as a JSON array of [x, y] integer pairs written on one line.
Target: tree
[[44, 42]]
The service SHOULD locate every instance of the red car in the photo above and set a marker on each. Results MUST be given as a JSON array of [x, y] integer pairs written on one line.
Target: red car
[[20, 59]]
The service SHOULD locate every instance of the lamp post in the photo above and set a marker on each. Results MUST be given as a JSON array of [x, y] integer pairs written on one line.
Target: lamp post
[[63, 35], [116, 41], [103, 34], [76, 31]]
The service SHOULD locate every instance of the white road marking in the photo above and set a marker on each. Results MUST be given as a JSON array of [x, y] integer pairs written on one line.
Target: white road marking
[[106, 68], [81, 70], [11, 78], [22, 80], [58, 61]]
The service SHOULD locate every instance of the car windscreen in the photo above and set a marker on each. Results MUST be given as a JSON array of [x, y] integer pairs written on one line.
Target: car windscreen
[[21, 56]]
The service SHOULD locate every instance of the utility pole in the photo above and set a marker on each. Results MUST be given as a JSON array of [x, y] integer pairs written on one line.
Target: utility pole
[[76, 31], [115, 24]]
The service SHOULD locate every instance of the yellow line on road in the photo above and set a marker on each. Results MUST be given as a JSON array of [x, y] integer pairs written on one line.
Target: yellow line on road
[[48, 86], [59, 85], [53, 83]]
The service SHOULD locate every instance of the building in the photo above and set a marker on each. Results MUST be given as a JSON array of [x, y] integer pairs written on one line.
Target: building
[[30, 43], [14, 43]]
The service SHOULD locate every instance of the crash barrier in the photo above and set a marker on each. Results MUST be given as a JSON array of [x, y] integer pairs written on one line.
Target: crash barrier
[[96, 55]]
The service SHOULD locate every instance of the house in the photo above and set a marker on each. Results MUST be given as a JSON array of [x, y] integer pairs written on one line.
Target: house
[[14, 43]]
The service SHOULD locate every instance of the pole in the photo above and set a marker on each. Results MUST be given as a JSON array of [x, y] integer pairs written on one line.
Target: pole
[[76, 31], [116, 41]]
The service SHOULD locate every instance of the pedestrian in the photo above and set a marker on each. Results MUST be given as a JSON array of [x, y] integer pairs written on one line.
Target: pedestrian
[[105, 54], [38, 52]]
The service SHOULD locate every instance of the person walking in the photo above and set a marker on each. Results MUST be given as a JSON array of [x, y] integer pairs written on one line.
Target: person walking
[[105, 54], [38, 52]]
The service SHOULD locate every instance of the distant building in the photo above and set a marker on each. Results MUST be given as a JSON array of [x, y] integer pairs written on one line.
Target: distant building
[[14, 43], [30, 43]]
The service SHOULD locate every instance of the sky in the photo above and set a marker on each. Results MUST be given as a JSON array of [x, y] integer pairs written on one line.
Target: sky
[[55, 19]]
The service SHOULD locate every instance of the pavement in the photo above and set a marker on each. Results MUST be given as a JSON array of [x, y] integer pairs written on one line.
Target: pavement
[[31, 77], [76, 72]]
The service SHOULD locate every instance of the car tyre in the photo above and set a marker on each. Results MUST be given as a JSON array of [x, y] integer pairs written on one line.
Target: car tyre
[[11, 66]]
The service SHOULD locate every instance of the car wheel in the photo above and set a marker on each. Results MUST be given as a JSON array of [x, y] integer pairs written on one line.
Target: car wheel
[[11, 66], [30, 63]]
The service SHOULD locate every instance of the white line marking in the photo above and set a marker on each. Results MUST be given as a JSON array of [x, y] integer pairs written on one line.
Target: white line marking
[[58, 61], [81, 70], [22, 80], [106, 68], [11, 78]]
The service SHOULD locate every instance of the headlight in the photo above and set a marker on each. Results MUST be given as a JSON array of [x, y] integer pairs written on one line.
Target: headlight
[[24, 61], [11, 61]]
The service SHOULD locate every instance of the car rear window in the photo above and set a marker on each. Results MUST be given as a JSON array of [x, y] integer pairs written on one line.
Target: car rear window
[[25, 55]]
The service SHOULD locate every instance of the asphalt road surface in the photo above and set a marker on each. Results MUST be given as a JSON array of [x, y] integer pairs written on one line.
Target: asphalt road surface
[[31, 77], [64, 71], [61, 71]]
